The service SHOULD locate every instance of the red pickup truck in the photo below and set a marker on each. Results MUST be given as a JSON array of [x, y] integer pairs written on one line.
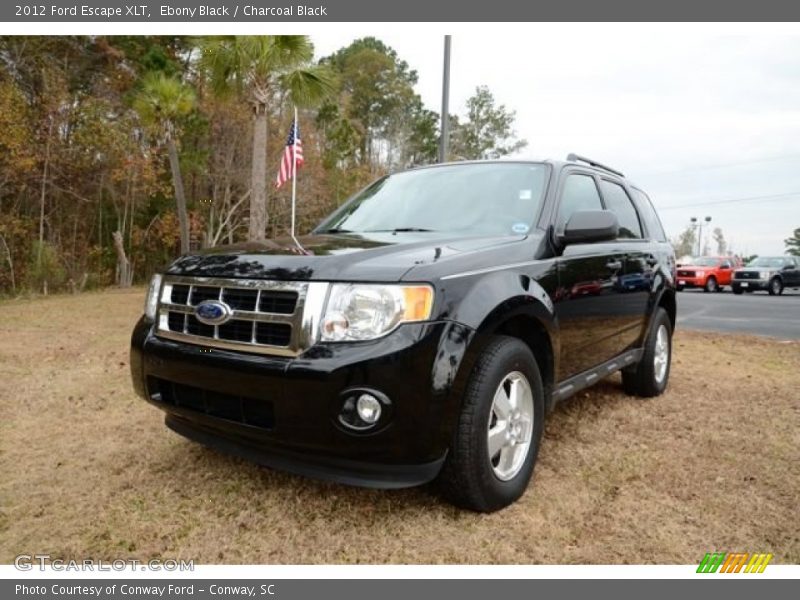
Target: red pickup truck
[[711, 273]]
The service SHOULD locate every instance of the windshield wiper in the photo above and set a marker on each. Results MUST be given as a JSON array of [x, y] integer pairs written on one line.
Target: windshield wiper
[[399, 230], [335, 230]]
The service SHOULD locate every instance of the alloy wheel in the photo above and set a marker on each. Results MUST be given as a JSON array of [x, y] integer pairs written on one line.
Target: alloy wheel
[[661, 354], [510, 426]]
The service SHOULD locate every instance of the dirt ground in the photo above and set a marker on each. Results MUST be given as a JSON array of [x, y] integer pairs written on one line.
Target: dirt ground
[[89, 470]]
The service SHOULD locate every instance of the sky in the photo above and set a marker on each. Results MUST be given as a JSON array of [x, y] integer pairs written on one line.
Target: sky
[[699, 117]]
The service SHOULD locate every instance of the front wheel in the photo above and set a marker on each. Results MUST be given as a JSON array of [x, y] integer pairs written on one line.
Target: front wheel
[[737, 290], [649, 378], [711, 285], [497, 435], [775, 287]]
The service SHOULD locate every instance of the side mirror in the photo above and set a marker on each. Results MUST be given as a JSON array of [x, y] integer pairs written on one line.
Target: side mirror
[[725, 266], [788, 267], [587, 226]]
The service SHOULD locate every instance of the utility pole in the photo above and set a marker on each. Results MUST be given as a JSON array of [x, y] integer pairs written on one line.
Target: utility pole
[[445, 136]]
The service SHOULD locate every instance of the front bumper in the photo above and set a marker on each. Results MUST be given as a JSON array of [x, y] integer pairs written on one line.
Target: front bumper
[[690, 282], [283, 412], [750, 284]]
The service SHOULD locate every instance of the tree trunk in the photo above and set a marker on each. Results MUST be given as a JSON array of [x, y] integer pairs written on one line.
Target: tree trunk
[[43, 191], [180, 198], [10, 264], [124, 272], [258, 183]]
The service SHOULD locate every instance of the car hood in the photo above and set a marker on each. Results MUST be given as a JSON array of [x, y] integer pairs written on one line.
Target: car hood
[[759, 269], [342, 257]]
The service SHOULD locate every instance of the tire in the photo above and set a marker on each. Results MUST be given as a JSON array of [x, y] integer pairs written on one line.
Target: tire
[[775, 286], [711, 285], [471, 478], [679, 288], [646, 379], [737, 290]]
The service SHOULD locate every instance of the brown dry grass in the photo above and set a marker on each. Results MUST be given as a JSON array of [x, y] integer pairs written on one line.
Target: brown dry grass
[[88, 470]]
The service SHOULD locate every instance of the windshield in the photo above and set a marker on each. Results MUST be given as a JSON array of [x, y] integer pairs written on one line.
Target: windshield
[[774, 262], [490, 199], [705, 262]]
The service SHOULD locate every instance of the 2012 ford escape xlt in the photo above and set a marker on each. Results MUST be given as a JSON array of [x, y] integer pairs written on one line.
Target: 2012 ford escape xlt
[[422, 331]]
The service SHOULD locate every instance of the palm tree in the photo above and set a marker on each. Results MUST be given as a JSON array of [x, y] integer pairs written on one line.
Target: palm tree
[[162, 102], [264, 69]]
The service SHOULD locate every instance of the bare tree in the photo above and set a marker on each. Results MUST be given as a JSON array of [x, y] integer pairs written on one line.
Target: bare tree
[[124, 270], [719, 238]]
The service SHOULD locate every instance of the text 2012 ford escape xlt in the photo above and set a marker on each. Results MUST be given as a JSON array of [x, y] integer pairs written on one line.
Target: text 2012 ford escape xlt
[[422, 331]]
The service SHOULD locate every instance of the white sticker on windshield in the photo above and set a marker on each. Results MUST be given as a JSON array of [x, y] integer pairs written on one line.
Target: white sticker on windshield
[[525, 194], [520, 228]]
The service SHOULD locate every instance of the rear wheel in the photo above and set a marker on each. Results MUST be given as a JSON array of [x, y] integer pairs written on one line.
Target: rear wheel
[[711, 285], [775, 287], [498, 431], [650, 376]]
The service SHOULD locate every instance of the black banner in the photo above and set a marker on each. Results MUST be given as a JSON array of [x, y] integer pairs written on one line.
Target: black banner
[[419, 589], [265, 11]]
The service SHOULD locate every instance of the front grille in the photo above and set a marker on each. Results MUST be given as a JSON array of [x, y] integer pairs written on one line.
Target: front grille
[[266, 316], [684, 273], [269, 301], [747, 275], [229, 407]]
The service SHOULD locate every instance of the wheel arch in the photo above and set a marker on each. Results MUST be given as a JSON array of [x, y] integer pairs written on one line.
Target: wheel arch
[[501, 303], [529, 322], [667, 301], [536, 336]]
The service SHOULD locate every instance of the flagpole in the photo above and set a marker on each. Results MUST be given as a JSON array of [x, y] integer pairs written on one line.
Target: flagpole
[[294, 174]]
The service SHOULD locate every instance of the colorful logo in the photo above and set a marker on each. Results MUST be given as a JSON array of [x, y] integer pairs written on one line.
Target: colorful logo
[[733, 562]]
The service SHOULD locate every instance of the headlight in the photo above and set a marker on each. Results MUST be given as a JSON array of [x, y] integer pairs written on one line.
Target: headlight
[[366, 311], [151, 301]]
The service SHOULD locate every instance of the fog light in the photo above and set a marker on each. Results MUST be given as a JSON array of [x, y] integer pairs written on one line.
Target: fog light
[[363, 410], [369, 408]]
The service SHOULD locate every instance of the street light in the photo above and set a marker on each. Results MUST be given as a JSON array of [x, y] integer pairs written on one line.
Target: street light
[[699, 226]]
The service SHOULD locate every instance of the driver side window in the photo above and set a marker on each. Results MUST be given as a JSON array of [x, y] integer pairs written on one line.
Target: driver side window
[[579, 193]]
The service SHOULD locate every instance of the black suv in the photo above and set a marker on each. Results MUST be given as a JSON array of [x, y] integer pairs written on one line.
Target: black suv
[[422, 331]]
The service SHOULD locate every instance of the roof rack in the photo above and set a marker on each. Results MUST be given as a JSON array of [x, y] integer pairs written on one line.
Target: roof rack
[[572, 157]]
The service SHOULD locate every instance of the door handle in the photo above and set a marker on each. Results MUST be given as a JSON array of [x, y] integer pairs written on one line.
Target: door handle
[[614, 265]]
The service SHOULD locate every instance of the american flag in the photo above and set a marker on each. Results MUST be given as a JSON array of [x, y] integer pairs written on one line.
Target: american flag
[[285, 171]]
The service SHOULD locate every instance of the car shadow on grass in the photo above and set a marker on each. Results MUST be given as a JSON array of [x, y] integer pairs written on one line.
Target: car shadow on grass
[[240, 475], [239, 481]]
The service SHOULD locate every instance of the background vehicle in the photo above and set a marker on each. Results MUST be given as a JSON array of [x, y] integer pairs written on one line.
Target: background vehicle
[[425, 330], [770, 273], [711, 273]]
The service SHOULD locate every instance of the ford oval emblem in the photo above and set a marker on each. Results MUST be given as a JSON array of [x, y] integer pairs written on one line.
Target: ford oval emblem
[[213, 312]]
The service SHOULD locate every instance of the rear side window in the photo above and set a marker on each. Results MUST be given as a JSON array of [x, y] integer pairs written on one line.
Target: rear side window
[[579, 193], [617, 200], [649, 216]]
